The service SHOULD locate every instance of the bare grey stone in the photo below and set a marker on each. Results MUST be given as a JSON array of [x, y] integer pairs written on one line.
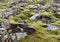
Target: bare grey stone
[[58, 9], [52, 27], [14, 8], [34, 17], [3, 33], [5, 24], [18, 35]]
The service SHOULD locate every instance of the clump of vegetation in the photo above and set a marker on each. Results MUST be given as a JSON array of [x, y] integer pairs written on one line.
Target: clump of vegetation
[[42, 35], [49, 15]]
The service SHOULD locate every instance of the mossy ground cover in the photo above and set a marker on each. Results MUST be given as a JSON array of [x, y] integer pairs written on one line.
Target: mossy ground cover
[[41, 34]]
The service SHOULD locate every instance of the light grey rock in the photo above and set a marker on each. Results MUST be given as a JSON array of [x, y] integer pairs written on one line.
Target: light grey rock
[[58, 9], [14, 8], [10, 16], [51, 27], [18, 36], [31, 6], [3, 33], [14, 1], [5, 24], [6, 14], [34, 16], [35, 10]]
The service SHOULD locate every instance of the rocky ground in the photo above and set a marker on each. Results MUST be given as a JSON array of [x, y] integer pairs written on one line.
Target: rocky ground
[[42, 15]]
